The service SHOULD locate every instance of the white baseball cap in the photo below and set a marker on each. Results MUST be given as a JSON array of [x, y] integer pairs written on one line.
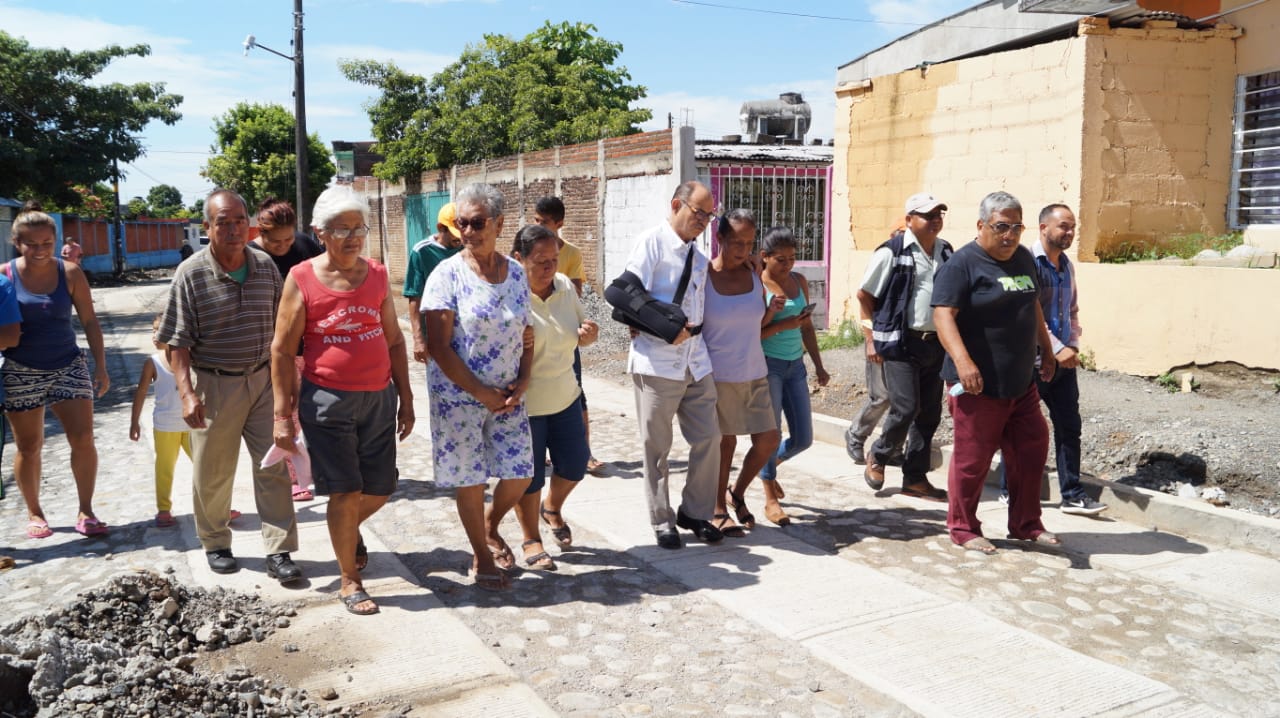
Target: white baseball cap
[[923, 203]]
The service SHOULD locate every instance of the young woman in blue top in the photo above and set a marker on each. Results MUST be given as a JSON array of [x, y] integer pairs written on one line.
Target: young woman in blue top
[[46, 368], [787, 335]]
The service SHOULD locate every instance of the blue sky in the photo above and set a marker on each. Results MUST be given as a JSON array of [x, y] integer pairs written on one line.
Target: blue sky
[[696, 60]]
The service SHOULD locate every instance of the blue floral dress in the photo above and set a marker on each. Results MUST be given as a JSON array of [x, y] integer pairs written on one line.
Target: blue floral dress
[[470, 443]]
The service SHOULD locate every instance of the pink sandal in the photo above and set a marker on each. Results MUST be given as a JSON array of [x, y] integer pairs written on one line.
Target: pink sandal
[[165, 520], [38, 529], [90, 526]]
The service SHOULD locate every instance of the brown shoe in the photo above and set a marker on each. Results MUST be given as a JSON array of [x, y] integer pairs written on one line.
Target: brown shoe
[[874, 476], [924, 490], [774, 513]]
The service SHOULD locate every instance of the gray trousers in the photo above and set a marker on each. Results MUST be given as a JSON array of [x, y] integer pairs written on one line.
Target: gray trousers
[[864, 422], [694, 404], [238, 408]]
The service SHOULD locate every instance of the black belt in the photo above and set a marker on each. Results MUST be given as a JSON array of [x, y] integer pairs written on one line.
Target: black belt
[[695, 331], [923, 336], [234, 372]]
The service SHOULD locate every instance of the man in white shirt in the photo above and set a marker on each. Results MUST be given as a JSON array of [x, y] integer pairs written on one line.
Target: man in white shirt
[[675, 379]]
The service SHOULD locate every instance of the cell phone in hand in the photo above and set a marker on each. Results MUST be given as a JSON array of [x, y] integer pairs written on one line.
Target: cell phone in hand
[[809, 309]]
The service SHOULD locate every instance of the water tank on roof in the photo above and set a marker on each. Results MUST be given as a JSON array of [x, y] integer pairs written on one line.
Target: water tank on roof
[[786, 118]]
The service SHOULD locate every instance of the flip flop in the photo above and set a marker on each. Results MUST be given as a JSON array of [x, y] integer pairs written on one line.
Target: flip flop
[[355, 599], [38, 529], [980, 545], [90, 526], [492, 581], [739, 504], [165, 520], [563, 534], [726, 526], [595, 467], [302, 494], [503, 557], [233, 515], [541, 560]]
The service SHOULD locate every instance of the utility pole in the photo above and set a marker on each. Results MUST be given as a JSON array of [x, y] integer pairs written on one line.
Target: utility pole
[[301, 163], [117, 244], [300, 123]]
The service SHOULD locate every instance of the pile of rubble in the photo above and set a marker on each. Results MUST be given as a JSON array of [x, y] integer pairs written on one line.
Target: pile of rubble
[[130, 649]]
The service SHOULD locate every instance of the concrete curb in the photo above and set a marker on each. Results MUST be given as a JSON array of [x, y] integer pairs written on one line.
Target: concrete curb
[[1154, 510]]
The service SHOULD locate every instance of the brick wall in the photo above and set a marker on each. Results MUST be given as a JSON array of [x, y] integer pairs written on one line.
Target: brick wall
[[575, 173]]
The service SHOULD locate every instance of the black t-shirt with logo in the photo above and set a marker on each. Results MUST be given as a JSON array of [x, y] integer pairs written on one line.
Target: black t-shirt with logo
[[996, 318]]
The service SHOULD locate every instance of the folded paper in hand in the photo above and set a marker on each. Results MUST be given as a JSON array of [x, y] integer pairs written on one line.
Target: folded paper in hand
[[300, 460]]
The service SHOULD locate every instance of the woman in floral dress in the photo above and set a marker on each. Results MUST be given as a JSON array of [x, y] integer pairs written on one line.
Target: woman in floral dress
[[479, 336]]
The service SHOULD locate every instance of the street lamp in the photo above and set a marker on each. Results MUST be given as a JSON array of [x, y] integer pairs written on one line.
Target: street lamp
[[299, 112]]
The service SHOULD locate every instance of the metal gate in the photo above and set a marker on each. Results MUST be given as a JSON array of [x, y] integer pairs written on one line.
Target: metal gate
[[797, 197], [420, 212]]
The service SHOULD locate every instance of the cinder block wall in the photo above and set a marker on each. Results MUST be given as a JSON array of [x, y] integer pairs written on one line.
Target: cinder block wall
[[575, 173], [1008, 121], [1157, 133]]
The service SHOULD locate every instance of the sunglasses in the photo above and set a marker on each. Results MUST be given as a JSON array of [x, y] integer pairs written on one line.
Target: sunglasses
[[478, 223], [1003, 228]]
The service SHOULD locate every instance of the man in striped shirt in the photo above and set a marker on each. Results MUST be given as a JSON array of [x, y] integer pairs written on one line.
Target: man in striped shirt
[[220, 320]]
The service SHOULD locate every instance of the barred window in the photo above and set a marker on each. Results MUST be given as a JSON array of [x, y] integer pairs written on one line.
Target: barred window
[[794, 197], [1255, 179]]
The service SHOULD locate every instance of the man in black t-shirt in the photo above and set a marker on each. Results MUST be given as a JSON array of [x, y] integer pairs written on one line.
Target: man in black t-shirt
[[989, 320]]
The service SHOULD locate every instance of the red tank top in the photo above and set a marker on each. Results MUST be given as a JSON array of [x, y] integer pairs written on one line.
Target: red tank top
[[343, 346]]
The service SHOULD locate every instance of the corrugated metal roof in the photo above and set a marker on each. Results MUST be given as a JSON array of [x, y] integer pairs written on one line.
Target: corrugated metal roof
[[764, 153]]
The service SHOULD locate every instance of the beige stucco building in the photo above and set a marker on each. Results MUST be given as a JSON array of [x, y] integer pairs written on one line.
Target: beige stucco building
[[1140, 122]]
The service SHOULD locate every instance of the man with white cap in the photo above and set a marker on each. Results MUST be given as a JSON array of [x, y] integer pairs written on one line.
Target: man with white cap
[[423, 259], [896, 293]]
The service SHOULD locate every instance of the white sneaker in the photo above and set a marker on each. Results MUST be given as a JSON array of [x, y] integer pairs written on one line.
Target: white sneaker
[[1083, 506], [1003, 498]]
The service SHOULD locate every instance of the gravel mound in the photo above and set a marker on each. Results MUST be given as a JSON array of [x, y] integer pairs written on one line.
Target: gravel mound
[[130, 648]]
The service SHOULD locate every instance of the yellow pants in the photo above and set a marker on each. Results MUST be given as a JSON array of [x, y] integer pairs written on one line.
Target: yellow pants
[[167, 445]]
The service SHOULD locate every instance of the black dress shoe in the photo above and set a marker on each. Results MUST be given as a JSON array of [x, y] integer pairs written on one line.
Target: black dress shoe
[[669, 538], [282, 568], [221, 561], [701, 528]]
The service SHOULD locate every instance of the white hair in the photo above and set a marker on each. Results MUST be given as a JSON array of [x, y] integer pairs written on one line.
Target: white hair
[[338, 199]]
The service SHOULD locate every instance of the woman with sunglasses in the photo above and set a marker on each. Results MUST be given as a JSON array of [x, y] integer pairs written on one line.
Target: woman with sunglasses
[[354, 398], [480, 339]]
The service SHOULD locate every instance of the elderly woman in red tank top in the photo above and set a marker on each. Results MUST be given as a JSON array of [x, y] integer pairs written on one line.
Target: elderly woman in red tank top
[[354, 395]]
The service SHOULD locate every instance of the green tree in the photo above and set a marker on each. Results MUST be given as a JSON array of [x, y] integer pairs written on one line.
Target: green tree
[[136, 208], [165, 201], [558, 85], [255, 155], [59, 128]]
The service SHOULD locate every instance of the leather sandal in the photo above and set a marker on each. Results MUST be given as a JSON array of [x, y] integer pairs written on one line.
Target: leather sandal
[[727, 526], [739, 505], [541, 560], [563, 534], [774, 513]]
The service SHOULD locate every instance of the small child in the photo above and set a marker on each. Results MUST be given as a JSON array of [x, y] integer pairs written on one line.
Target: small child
[[169, 429]]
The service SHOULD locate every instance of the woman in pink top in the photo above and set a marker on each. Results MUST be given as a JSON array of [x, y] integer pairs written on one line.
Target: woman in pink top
[[354, 372]]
